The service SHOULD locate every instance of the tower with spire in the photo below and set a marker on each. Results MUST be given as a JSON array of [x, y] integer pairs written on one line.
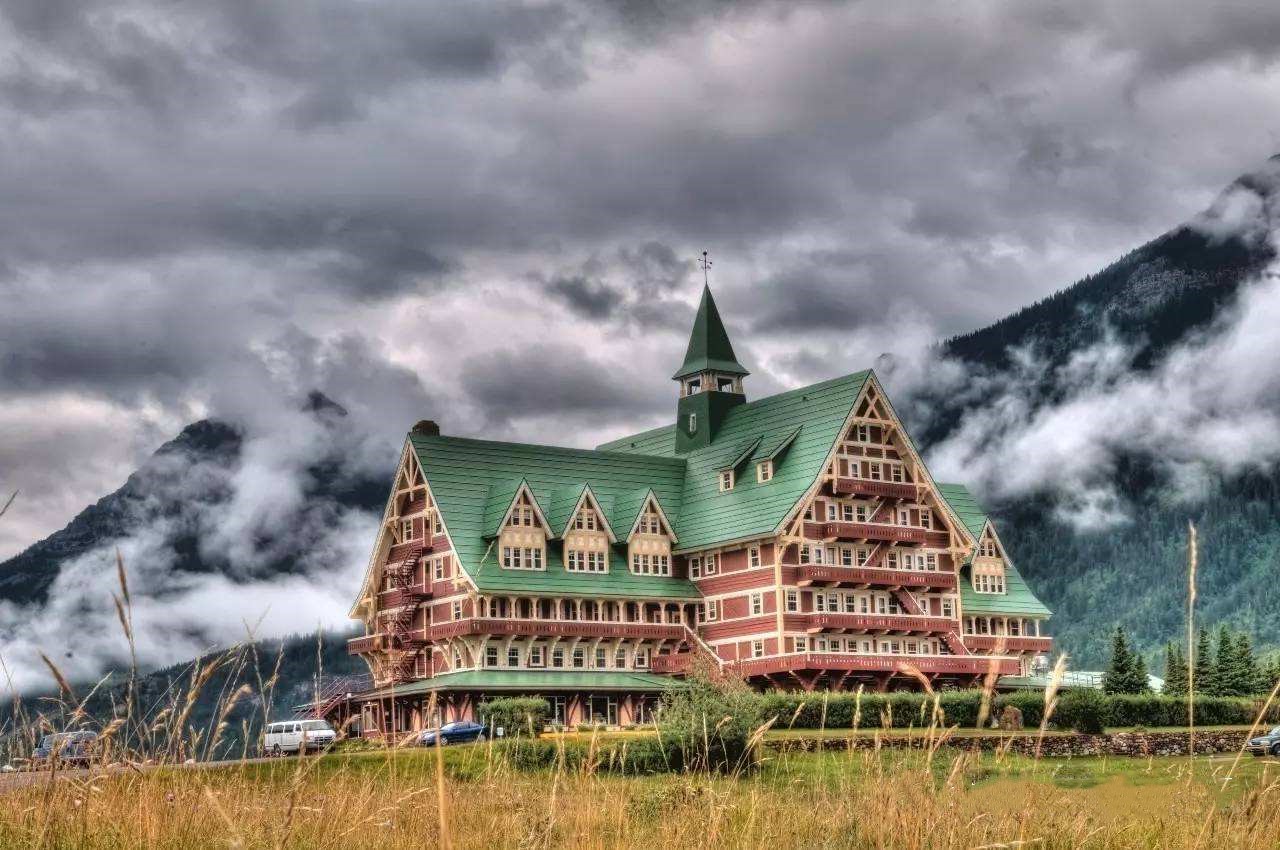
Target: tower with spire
[[710, 379]]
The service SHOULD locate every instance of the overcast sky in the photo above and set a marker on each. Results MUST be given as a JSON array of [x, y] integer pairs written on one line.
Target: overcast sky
[[487, 213]]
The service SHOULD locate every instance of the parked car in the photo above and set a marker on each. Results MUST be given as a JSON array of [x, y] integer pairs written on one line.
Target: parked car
[[290, 736], [1268, 744], [458, 732], [72, 748]]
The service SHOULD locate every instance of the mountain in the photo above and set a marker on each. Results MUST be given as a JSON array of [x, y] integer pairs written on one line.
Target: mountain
[[1152, 301]]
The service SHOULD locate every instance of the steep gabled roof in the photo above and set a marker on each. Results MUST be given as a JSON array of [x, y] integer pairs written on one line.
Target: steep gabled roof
[[1017, 598], [709, 347], [708, 517], [466, 475]]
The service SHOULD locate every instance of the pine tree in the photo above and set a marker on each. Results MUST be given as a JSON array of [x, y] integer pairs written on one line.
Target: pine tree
[[1270, 674], [1175, 671], [1227, 666], [1127, 673], [1249, 676], [1205, 668]]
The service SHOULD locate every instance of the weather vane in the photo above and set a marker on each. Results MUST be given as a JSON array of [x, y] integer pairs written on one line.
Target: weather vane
[[705, 264]]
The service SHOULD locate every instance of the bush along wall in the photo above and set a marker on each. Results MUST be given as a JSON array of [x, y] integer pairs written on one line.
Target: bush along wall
[[1077, 709]]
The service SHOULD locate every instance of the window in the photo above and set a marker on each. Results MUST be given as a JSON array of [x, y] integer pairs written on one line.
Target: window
[[764, 471], [557, 657], [802, 644], [516, 558], [891, 560], [537, 657], [491, 656], [863, 513], [692, 386], [862, 433], [926, 518], [726, 480], [438, 566], [585, 562], [642, 658], [757, 649], [574, 561], [712, 565], [896, 473], [948, 607], [757, 603], [513, 656], [724, 384], [808, 513], [793, 599], [457, 609], [861, 556], [695, 568], [601, 657], [710, 610], [579, 657], [620, 658], [406, 529], [873, 470], [753, 556], [585, 520], [693, 423]]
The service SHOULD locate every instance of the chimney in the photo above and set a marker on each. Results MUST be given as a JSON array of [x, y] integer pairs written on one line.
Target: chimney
[[427, 428]]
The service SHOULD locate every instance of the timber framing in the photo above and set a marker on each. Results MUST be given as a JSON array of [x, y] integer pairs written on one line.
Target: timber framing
[[842, 564]]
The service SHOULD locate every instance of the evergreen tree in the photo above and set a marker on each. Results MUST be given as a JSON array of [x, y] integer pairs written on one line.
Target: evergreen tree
[[1270, 674], [1248, 674], [1127, 673], [1205, 668], [1227, 667], [1175, 671]]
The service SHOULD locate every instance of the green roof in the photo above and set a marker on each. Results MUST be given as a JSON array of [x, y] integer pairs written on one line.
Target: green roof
[[709, 347], [532, 681], [471, 478], [1017, 598]]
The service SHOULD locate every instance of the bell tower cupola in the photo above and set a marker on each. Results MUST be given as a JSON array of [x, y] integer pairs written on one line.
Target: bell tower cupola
[[710, 379]]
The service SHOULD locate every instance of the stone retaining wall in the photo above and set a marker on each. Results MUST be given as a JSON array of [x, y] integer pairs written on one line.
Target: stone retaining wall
[[1116, 744]]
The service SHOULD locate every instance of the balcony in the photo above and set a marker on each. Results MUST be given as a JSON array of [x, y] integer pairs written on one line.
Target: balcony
[[876, 531], [878, 489], [872, 576], [400, 551], [367, 643], [967, 665], [403, 596], [1012, 643], [882, 623], [675, 662], [557, 628]]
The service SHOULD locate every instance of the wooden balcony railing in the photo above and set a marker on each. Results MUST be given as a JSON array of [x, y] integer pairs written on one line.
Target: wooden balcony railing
[[871, 576], [905, 623], [403, 596], [876, 531], [556, 628], [367, 643], [881, 489], [1023, 643], [970, 665]]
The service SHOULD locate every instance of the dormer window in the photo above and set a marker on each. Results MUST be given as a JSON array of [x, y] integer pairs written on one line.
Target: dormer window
[[586, 521], [764, 471], [726, 480], [521, 517]]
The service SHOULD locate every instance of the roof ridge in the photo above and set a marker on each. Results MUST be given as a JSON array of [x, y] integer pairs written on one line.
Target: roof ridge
[[429, 438]]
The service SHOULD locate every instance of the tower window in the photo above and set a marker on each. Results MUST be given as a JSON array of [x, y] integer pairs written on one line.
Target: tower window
[[724, 385], [693, 423], [693, 386]]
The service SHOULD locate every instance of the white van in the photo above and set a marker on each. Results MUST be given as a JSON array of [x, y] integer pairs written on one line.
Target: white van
[[289, 736]]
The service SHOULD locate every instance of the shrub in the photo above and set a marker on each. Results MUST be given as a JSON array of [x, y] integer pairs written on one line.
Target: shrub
[[516, 715], [711, 720], [1030, 703], [631, 757], [1084, 710]]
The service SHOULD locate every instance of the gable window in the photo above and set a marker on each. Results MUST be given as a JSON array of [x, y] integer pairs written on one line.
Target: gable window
[[862, 433], [726, 480], [406, 529], [895, 473], [585, 520], [753, 556], [764, 471], [926, 518]]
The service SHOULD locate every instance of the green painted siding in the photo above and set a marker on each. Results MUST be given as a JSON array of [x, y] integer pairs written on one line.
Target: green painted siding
[[533, 681]]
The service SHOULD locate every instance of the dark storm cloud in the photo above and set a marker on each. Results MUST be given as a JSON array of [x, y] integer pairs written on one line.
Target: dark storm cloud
[[196, 199]]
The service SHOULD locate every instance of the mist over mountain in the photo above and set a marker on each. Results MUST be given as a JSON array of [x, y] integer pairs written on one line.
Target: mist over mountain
[[1095, 424]]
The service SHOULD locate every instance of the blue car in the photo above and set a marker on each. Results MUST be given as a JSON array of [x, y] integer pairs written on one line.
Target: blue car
[[458, 732], [70, 748]]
